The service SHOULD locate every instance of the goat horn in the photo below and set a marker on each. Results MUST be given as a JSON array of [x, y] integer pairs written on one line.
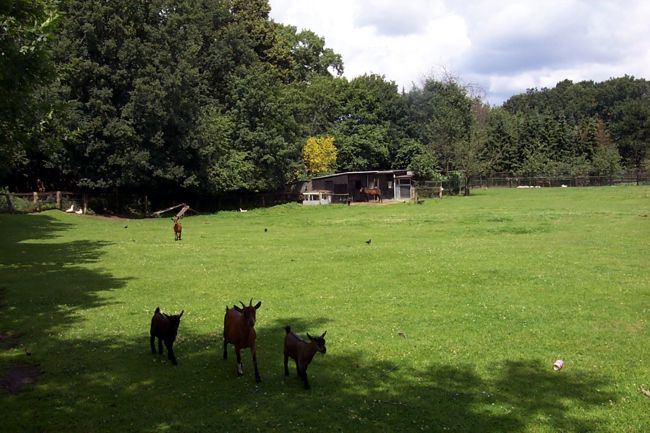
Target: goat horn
[[250, 303], [242, 304]]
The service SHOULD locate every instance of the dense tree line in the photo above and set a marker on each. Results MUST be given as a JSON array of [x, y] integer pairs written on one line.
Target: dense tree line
[[212, 96]]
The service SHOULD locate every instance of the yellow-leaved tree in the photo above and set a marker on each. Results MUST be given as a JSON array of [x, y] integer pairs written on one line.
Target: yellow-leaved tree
[[319, 155]]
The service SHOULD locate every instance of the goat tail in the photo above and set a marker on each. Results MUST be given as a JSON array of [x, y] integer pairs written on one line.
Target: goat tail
[[287, 329], [157, 310]]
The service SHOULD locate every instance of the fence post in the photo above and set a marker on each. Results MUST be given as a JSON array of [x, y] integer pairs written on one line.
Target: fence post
[[37, 205], [58, 200], [84, 198]]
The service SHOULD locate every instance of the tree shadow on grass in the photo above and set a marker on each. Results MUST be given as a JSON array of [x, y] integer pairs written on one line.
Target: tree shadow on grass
[[44, 282], [116, 384]]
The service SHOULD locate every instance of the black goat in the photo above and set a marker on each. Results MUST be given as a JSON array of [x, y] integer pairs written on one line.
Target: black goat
[[165, 327], [302, 352]]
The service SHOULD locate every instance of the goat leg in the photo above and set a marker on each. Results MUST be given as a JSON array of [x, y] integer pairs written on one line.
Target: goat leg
[[170, 352], [240, 368], [225, 349], [303, 375], [258, 379], [286, 365], [160, 346], [152, 341]]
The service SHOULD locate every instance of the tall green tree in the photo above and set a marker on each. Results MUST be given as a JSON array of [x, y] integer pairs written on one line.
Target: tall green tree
[[368, 126], [605, 159], [534, 149], [469, 158], [501, 147], [630, 126], [26, 28], [440, 117]]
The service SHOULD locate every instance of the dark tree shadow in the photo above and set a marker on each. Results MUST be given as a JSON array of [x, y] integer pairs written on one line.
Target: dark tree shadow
[[46, 282], [134, 390]]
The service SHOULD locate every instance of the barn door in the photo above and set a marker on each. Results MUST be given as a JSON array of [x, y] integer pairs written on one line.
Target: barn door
[[403, 190]]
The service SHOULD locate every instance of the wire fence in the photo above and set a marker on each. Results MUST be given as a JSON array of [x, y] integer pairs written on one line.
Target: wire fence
[[560, 181]]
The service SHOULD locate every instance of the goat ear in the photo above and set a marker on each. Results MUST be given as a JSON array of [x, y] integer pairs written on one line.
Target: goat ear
[[322, 336], [258, 305], [236, 308], [181, 315]]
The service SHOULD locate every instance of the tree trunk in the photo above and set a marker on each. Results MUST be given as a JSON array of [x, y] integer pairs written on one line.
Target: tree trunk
[[10, 204]]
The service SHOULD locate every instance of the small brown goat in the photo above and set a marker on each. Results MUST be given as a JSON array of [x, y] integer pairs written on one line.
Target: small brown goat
[[239, 330], [178, 228], [302, 352], [165, 327]]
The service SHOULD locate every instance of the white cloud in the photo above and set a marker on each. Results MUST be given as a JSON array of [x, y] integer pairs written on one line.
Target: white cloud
[[505, 46]]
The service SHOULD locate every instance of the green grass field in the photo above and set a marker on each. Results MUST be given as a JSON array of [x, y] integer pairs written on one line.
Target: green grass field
[[449, 321]]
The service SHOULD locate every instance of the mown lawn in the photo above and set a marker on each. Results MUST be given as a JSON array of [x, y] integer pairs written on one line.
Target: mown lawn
[[449, 320]]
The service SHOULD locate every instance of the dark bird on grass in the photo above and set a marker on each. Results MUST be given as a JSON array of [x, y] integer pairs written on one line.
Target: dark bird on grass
[[126, 227], [265, 230], [368, 241]]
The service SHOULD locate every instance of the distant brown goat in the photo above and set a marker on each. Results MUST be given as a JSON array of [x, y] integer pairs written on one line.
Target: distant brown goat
[[165, 327], [178, 228], [239, 330], [302, 352]]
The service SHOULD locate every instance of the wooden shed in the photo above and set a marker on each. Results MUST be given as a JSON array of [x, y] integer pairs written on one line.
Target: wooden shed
[[394, 184]]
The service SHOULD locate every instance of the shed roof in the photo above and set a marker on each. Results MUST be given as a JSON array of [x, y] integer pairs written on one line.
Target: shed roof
[[403, 172]]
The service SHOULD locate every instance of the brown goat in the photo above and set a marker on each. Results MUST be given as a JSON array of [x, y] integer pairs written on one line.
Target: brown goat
[[239, 330], [302, 352], [165, 327], [178, 228]]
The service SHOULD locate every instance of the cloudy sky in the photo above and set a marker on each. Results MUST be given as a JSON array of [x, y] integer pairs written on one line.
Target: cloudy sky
[[502, 46]]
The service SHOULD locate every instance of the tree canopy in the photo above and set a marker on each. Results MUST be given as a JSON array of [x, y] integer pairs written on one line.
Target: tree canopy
[[213, 96], [26, 30]]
